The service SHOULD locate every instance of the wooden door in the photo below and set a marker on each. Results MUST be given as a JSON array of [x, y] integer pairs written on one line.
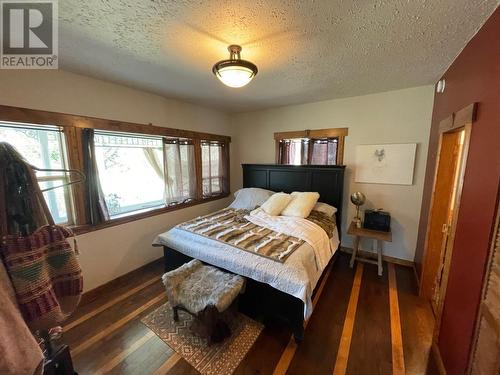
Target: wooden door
[[449, 227], [441, 215]]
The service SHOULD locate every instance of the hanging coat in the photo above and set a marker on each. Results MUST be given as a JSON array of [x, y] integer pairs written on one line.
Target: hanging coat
[[40, 261]]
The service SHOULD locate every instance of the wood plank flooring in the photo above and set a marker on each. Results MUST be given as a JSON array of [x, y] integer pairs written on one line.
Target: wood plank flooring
[[361, 324]]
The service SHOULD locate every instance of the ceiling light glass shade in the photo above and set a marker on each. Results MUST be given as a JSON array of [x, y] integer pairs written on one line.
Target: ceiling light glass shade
[[235, 72]]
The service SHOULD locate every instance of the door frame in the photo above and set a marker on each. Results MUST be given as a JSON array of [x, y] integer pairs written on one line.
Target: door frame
[[486, 280], [461, 120], [462, 164]]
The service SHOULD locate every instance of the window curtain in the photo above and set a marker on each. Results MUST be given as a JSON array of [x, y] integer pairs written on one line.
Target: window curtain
[[324, 151], [216, 151], [293, 151], [154, 161], [213, 170], [97, 209], [304, 151], [222, 162], [284, 151], [179, 171]]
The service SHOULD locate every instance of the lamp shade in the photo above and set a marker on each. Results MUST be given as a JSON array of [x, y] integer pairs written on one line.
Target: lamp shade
[[235, 72]]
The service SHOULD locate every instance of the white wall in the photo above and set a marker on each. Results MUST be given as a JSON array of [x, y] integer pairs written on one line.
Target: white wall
[[402, 116], [109, 253]]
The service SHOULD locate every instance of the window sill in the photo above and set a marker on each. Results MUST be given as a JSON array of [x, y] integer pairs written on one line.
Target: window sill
[[82, 229]]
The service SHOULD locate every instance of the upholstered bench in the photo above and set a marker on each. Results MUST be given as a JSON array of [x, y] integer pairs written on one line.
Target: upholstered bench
[[206, 293]]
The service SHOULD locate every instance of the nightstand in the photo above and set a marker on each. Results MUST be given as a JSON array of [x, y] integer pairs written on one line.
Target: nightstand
[[375, 235]]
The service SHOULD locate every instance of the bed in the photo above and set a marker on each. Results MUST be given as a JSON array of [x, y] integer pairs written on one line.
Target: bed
[[274, 290]]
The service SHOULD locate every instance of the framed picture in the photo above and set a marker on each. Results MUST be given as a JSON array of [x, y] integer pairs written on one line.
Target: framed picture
[[385, 163]]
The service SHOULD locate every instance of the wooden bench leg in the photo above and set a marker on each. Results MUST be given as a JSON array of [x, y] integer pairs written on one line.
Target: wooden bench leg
[[354, 251], [176, 313]]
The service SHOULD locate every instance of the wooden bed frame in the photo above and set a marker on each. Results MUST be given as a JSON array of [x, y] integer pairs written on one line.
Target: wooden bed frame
[[261, 301]]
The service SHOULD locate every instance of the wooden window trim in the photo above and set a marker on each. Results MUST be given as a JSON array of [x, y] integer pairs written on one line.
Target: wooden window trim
[[86, 228], [316, 133], [72, 126], [33, 116], [339, 133]]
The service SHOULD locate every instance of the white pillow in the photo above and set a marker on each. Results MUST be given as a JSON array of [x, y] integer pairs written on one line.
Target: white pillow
[[276, 203], [249, 198], [325, 208], [301, 204]]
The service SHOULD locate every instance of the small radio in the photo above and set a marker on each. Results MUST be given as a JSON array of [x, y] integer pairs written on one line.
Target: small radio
[[377, 220]]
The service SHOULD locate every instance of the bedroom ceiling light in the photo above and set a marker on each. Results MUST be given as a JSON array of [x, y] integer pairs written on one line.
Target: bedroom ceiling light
[[235, 72]]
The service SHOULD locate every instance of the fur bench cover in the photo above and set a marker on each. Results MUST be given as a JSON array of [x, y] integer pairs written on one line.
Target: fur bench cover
[[196, 286]]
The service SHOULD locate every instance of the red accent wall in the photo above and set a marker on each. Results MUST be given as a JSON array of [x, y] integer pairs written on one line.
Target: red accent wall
[[473, 77]]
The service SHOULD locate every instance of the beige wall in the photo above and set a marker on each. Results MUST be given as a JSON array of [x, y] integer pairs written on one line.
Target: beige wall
[[399, 116], [109, 253], [402, 116]]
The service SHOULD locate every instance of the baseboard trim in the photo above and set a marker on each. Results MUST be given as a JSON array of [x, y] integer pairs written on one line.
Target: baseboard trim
[[92, 294], [437, 358], [386, 258]]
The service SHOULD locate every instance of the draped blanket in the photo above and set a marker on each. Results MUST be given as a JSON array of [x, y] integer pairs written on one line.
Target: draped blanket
[[45, 274], [230, 226]]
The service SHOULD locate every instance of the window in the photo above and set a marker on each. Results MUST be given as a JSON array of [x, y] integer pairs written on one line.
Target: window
[[140, 172], [43, 147], [313, 147], [130, 170], [213, 170], [309, 151]]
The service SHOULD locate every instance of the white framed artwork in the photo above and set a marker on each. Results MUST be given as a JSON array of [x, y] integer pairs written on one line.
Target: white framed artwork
[[385, 163]]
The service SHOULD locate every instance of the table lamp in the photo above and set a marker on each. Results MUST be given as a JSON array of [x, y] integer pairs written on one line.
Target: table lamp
[[358, 199]]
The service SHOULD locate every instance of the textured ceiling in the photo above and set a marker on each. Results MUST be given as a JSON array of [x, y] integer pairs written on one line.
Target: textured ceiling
[[306, 50]]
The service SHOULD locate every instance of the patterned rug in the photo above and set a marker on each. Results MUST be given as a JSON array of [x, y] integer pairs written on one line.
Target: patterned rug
[[222, 358]]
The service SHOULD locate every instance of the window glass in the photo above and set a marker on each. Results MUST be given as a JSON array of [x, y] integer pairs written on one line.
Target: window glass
[[212, 168], [130, 171], [43, 147]]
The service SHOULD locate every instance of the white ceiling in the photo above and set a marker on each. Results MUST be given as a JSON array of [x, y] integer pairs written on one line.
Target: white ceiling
[[306, 50]]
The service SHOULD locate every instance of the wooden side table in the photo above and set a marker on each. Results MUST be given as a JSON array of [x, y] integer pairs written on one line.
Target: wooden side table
[[376, 235]]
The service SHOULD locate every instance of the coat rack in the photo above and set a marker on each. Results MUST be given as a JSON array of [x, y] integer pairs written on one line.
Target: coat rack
[[57, 357], [82, 176]]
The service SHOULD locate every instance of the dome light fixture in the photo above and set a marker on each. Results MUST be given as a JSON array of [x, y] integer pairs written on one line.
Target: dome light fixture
[[235, 72]]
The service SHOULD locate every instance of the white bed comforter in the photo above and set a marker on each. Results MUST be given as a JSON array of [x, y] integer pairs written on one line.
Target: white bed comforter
[[297, 276]]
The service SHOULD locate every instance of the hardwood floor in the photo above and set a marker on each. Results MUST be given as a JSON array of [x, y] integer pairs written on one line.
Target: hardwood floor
[[362, 324]]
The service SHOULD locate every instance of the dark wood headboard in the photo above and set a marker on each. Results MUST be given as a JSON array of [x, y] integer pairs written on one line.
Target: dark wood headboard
[[327, 180]]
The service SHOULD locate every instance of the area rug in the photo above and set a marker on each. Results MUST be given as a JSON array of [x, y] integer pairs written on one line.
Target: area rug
[[222, 358]]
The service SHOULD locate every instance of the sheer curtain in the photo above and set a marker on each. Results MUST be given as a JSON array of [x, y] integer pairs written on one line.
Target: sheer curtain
[[154, 161], [213, 168], [179, 170], [308, 151], [293, 151], [284, 151], [324, 151]]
